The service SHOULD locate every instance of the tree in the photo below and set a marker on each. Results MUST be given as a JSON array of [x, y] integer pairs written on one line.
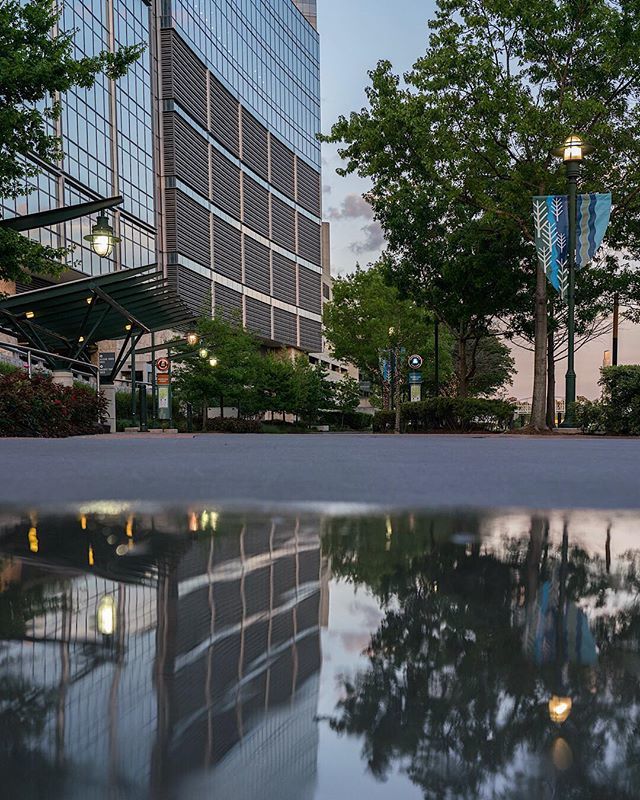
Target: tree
[[36, 66], [469, 137], [231, 380], [358, 319], [493, 367], [274, 384], [346, 395], [311, 391]]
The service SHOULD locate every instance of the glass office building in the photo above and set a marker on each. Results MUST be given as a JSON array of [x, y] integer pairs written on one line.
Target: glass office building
[[107, 142], [241, 195]]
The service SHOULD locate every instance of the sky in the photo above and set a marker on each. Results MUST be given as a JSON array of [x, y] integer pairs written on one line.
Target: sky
[[354, 36]]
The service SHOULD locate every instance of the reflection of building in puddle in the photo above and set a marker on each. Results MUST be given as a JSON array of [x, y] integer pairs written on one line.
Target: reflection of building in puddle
[[197, 670]]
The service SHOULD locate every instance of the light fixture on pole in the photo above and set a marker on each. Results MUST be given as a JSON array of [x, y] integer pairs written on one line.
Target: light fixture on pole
[[213, 361], [192, 338], [203, 352], [102, 237], [559, 709], [572, 153]]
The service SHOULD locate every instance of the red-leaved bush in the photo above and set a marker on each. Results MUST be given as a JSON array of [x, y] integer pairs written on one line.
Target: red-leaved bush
[[40, 407]]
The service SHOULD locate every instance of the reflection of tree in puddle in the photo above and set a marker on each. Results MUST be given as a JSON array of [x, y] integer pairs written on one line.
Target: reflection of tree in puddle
[[480, 649]]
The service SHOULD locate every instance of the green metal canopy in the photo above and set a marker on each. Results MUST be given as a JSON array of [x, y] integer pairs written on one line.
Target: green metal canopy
[[70, 318]]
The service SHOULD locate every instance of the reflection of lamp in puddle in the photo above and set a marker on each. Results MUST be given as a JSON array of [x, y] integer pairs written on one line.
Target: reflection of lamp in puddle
[[107, 615], [561, 754], [559, 709]]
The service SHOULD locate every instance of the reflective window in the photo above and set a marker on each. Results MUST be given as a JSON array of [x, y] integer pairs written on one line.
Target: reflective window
[[268, 53]]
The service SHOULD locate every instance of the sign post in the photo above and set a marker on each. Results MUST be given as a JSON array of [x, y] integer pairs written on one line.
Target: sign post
[[415, 378], [163, 387]]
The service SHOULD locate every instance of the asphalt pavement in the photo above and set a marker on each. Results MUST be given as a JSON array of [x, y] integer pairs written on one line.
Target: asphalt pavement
[[409, 471]]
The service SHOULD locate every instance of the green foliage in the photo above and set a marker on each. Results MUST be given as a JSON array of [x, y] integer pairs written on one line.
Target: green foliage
[[490, 367], [8, 369], [234, 425], [618, 411], [448, 414], [455, 151], [40, 407], [274, 384], [232, 380], [358, 320], [346, 395], [311, 392], [350, 420], [36, 66]]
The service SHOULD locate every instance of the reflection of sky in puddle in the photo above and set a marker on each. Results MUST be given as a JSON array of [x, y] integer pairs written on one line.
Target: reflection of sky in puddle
[[299, 655]]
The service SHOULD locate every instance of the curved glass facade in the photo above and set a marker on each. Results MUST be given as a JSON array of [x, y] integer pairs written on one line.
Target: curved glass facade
[[268, 55]]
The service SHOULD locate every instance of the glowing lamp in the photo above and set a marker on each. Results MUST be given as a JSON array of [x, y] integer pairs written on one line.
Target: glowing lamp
[[102, 237], [559, 709]]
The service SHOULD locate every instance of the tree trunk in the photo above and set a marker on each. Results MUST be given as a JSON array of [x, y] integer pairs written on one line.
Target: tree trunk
[[551, 381], [462, 366], [221, 407], [539, 399], [205, 409]]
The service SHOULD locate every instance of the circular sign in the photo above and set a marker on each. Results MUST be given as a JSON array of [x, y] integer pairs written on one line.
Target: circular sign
[[415, 361], [162, 365]]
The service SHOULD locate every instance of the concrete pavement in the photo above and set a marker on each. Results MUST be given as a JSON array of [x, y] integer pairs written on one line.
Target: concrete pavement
[[393, 471]]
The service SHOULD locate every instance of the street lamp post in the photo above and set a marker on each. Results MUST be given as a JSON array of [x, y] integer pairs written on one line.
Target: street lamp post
[[572, 153]]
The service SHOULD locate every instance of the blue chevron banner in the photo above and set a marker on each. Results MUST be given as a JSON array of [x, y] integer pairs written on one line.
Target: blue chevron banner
[[551, 220], [551, 227]]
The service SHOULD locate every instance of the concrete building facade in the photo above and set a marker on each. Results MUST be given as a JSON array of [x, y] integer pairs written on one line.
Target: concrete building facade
[[240, 188]]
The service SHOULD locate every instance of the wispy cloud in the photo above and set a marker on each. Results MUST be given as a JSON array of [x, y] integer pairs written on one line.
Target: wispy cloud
[[354, 206], [373, 239]]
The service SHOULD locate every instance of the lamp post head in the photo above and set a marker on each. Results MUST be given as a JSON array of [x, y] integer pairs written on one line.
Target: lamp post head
[[574, 148], [559, 709], [203, 352], [213, 362], [192, 338], [102, 237]]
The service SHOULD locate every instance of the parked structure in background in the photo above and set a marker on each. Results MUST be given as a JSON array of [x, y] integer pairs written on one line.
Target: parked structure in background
[[210, 139], [336, 369]]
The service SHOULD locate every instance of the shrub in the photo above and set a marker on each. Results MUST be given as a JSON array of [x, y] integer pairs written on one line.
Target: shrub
[[450, 414], [8, 369], [234, 425], [38, 406], [354, 420], [618, 411]]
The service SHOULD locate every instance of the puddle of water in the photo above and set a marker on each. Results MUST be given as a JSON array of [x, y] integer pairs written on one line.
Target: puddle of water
[[205, 653]]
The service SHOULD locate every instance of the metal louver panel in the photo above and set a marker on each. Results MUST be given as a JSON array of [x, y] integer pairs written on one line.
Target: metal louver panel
[[227, 253], [258, 316], [283, 224], [187, 227], [194, 289], [284, 279], [228, 303], [284, 327], [308, 189], [184, 76], [255, 145], [256, 206], [309, 290], [310, 335], [224, 116], [257, 272], [186, 153], [282, 167], [225, 184], [309, 239]]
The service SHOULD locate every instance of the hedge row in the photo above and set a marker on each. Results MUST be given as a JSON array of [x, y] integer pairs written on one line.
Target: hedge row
[[38, 406], [618, 411], [234, 425], [448, 414]]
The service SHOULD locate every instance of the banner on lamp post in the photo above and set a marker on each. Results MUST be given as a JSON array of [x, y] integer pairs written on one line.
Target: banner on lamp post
[[551, 228]]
